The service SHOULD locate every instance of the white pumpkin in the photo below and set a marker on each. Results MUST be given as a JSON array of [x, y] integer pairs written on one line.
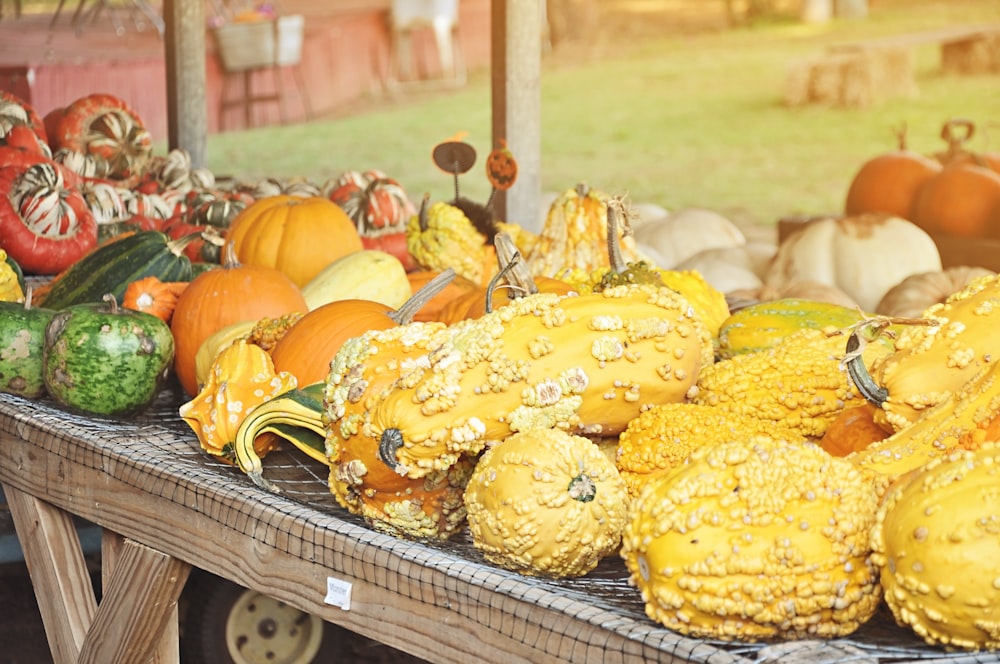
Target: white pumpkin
[[684, 233], [863, 255], [732, 268]]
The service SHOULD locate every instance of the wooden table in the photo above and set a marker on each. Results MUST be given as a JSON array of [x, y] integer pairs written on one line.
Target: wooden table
[[166, 507]]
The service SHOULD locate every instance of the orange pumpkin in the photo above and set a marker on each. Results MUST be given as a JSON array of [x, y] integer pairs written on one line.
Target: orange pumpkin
[[852, 430], [309, 346], [297, 235], [220, 297], [962, 200], [888, 182]]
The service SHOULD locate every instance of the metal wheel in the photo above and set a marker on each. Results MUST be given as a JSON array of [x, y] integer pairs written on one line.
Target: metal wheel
[[224, 623]]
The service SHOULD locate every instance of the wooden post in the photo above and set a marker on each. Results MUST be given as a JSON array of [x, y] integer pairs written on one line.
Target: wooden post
[[516, 54], [187, 110]]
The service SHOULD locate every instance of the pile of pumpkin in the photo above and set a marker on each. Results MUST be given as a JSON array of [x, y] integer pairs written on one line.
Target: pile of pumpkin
[[767, 468]]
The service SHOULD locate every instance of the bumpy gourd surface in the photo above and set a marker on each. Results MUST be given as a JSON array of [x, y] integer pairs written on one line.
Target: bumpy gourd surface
[[936, 541], [756, 539], [544, 502], [931, 362], [586, 364]]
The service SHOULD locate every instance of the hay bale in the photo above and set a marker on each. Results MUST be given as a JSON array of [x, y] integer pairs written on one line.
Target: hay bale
[[977, 54]]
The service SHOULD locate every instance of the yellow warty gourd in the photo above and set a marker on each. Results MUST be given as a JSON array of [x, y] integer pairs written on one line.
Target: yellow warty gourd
[[799, 383], [544, 502], [756, 539]]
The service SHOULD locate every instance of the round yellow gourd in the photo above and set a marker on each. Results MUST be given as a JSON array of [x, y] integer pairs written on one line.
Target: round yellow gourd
[[545, 502], [755, 539], [216, 343], [936, 540]]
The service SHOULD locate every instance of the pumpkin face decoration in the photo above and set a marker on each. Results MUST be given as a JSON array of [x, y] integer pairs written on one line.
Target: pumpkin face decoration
[[379, 207]]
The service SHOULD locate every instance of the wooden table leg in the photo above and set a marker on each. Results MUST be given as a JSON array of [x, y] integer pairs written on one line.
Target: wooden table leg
[[136, 620], [136, 607], [58, 572]]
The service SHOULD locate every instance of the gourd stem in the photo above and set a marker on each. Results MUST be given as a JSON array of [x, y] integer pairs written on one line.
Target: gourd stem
[[112, 302], [177, 246], [856, 369], [521, 281], [423, 216], [388, 444], [495, 281], [617, 261], [409, 309]]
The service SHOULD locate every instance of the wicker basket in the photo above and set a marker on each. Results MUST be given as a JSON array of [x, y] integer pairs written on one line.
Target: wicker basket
[[256, 44]]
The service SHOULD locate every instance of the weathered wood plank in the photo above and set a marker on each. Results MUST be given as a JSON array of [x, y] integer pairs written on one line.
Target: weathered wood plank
[[58, 571], [516, 34], [168, 651], [136, 606]]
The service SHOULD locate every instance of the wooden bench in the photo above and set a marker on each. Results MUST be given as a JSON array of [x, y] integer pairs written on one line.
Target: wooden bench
[[857, 74]]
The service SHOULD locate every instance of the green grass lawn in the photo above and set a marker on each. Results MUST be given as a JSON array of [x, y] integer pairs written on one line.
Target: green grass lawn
[[693, 119]]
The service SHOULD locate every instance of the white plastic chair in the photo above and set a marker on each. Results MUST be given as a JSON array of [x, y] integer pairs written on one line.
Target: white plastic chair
[[441, 16]]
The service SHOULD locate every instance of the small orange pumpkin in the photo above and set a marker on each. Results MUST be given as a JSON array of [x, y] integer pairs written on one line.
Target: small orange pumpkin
[[153, 296], [297, 235], [220, 297]]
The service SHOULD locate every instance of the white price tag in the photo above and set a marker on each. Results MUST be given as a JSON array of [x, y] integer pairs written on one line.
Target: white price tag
[[338, 593]]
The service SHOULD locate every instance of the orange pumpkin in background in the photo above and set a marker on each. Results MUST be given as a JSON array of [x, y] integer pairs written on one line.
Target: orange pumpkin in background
[[962, 200], [297, 235], [889, 182], [217, 298]]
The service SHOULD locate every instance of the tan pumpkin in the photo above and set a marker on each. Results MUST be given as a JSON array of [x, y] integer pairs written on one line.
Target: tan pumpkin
[[917, 292], [297, 235]]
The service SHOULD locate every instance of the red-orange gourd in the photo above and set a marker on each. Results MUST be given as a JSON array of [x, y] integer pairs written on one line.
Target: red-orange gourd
[[431, 310], [220, 297], [852, 430], [297, 235]]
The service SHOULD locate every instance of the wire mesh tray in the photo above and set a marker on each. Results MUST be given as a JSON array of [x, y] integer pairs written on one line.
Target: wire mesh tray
[[160, 436]]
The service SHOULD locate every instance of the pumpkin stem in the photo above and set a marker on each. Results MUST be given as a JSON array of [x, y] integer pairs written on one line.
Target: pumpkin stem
[[388, 444], [409, 309], [956, 132], [582, 488], [229, 259]]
